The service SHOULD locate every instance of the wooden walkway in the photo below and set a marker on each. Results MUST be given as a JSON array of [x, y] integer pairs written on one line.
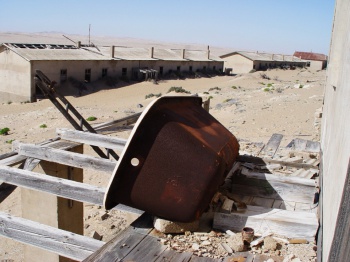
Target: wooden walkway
[[261, 180]]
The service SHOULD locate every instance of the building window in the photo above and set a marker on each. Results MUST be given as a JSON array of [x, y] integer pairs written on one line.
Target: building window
[[87, 75], [190, 69], [63, 75], [178, 68], [214, 68], [253, 66], [161, 70], [124, 71], [104, 72], [204, 68]]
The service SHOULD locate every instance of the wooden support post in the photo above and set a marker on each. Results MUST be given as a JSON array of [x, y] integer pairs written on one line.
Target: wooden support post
[[51, 210]]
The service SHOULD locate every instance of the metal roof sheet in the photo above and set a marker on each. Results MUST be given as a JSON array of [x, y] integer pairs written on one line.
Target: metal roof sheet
[[310, 56], [268, 57], [71, 52]]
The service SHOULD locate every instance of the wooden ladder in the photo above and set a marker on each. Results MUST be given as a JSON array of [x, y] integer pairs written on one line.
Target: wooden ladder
[[65, 107]]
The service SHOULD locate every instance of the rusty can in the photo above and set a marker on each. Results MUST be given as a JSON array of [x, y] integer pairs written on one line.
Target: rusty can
[[247, 235]]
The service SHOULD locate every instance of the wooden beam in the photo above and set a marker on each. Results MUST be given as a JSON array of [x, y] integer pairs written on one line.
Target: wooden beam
[[61, 242], [66, 158], [128, 120], [290, 224], [57, 186], [272, 145], [91, 138]]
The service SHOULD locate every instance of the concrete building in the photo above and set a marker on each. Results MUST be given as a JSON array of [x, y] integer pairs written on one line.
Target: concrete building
[[242, 62], [315, 61], [335, 144], [18, 63]]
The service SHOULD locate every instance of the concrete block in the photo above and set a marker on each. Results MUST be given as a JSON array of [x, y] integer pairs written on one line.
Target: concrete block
[[166, 226]]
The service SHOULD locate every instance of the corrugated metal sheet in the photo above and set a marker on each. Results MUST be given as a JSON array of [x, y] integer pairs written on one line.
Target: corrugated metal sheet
[[310, 56], [60, 52], [256, 56]]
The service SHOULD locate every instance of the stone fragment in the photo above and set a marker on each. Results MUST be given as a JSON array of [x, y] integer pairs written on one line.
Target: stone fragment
[[166, 226], [270, 243], [236, 243], [96, 235]]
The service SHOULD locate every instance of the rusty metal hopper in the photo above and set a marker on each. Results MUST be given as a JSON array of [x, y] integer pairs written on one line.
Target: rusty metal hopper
[[174, 161]]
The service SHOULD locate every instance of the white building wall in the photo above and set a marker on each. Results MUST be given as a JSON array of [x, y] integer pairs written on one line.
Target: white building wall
[[238, 63], [335, 137], [14, 77]]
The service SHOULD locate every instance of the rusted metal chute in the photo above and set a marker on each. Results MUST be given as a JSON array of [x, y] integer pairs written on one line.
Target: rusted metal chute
[[174, 161]]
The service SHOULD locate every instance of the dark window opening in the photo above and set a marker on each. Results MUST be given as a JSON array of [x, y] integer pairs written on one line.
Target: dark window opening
[[204, 68], [124, 71], [104, 72], [214, 68], [87, 75], [63, 75], [161, 70], [178, 68], [190, 68]]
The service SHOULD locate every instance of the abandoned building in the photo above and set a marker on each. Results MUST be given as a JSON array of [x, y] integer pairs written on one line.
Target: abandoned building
[[18, 63], [315, 61], [241, 62]]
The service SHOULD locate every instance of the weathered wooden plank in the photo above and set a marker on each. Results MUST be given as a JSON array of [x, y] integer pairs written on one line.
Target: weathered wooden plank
[[61, 242], [263, 202], [313, 146], [53, 185], [272, 145], [268, 160], [203, 259], [299, 144], [7, 189], [275, 178], [265, 185], [291, 224], [91, 138], [112, 250], [128, 120], [285, 205], [66, 158], [147, 250], [170, 255], [58, 186]]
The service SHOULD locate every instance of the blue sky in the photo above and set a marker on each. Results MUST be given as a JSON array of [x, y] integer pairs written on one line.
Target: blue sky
[[280, 26]]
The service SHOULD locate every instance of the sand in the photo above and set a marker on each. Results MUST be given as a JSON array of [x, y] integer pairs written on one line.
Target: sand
[[251, 107]]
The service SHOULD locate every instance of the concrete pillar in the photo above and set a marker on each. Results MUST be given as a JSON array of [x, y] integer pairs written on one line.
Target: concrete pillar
[[51, 210], [112, 51], [151, 52], [79, 44], [183, 53], [208, 53]]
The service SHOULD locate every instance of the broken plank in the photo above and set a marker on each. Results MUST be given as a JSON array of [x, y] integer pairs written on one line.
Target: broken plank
[[61, 242], [128, 120], [91, 138], [66, 158], [290, 224], [272, 145]]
